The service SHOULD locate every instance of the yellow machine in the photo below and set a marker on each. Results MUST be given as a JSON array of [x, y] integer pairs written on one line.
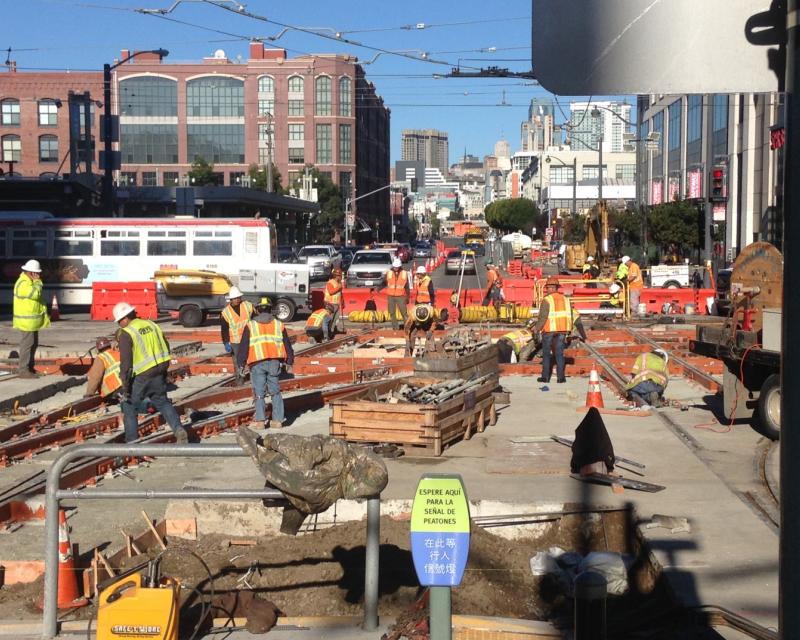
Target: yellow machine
[[596, 242], [139, 608], [192, 282]]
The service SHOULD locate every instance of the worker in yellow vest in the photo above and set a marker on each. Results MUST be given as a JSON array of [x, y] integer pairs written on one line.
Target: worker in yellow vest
[[397, 291], [333, 296], [104, 374], [30, 315], [555, 323], [614, 297], [144, 360], [232, 321], [266, 349], [318, 325], [520, 344], [630, 274], [649, 378]]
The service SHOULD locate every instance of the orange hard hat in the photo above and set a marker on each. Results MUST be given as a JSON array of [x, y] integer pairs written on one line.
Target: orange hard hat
[[552, 281]]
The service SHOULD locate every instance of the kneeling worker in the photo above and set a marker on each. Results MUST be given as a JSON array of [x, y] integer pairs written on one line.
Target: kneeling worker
[[614, 301], [265, 348], [318, 325], [521, 343], [144, 360], [104, 374], [421, 320], [649, 379]]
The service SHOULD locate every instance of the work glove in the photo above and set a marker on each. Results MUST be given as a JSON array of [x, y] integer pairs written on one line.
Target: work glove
[[228, 347]]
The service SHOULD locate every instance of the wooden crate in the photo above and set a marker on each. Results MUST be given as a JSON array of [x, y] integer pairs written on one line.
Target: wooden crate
[[426, 429], [478, 363]]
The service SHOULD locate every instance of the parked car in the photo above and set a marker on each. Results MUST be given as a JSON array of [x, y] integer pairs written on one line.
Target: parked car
[[321, 259], [423, 249], [369, 268], [286, 254], [405, 251], [722, 298], [454, 260]]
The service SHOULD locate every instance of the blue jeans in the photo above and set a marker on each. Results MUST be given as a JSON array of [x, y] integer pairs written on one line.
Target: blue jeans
[[153, 388], [643, 392], [264, 378], [551, 342]]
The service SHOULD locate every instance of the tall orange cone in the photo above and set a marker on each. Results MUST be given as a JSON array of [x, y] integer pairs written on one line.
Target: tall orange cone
[[68, 595], [55, 312], [594, 398]]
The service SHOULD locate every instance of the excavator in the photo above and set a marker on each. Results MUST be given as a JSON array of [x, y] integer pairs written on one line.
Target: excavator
[[596, 242]]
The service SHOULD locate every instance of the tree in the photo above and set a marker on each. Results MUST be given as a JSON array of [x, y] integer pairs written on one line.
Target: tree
[[258, 178], [574, 228], [331, 216], [675, 227], [512, 214], [626, 226], [201, 173]]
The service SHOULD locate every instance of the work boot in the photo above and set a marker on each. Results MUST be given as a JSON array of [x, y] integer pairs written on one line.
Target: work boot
[[561, 380], [182, 436], [275, 424], [542, 379], [258, 424], [29, 375]]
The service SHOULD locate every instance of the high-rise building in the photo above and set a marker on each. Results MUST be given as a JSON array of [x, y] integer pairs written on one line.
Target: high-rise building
[[502, 149], [585, 129], [429, 145], [537, 132]]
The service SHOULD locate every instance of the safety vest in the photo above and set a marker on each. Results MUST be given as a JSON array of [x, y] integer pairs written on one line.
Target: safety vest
[[634, 276], [30, 313], [396, 282], [237, 321], [316, 319], [649, 366], [491, 277], [614, 300], [149, 346], [266, 341], [559, 318], [518, 339], [422, 294], [111, 377], [333, 292], [622, 271]]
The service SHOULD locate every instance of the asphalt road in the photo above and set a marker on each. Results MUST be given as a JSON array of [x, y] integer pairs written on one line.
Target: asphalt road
[[447, 283]]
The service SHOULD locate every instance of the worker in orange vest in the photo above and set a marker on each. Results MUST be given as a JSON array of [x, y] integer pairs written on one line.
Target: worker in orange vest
[[554, 324], [423, 292], [333, 296], [397, 290], [494, 285], [104, 374], [630, 274], [318, 325], [266, 349], [232, 321]]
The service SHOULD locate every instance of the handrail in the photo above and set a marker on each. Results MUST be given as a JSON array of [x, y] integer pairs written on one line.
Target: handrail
[[53, 496]]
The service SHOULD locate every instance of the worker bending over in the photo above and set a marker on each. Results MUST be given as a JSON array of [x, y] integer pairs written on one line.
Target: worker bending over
[[555, 323], [318, 325], [494, 286], [423, 292], [144, 360], [397, 291], [266, 348], [421, 321], [232, 322], [630, 274], [333, 295], [104, 374], [520, 344], [649, 378]]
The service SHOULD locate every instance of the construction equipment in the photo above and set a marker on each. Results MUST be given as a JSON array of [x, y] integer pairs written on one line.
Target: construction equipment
[[596, 242]]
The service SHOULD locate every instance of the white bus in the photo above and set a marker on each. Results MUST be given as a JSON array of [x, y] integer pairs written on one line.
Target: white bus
[[75, 252]]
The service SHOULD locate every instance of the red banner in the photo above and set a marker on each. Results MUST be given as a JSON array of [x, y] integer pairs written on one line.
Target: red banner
[[674, 186], [694, 184], [656, 192]]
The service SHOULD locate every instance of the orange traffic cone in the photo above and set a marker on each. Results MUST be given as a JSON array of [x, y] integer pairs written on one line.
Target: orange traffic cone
[[55, 313], [68, 595], [594, 398]]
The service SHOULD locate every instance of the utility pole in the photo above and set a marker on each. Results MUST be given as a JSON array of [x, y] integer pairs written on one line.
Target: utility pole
[[600, 169], [574, 185]]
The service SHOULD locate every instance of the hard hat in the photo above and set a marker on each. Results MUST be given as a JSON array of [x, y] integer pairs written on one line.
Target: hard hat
[[422, 313], [552, 281], [590, 259], [336, 271], [662, 353], [421, 271], [234, 293], [614, 288], [102, 343], [265, 303], [122, 310], [626, 259], [33, 266], [397, 264]]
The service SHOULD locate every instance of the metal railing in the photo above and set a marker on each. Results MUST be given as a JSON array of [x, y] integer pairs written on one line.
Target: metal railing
[[54, 495], [602, 296]]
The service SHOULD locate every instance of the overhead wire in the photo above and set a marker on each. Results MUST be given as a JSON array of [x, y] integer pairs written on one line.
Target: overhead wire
[[421, 26]]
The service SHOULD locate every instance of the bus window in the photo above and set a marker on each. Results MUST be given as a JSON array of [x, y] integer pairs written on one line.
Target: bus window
[[212, 243], [119, 243], [166, 243], [29, 243], [251, 242], [73, 243]]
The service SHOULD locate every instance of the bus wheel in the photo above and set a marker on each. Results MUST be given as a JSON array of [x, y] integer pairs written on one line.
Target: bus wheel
[[190, 315], [284, 310], [768, 413]]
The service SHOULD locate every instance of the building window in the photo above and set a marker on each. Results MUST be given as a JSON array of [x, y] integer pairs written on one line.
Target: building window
[[217, 143], [296, 85], [694, 118], [658, 155], [720, 120], [675, 125], [263, 155], [48, 113], [562, 175], [82, 111], [10, 113], [148, 96], [345, 144], [213, 96], [345, 97], [149, 143], [149, 179], [48, 149], [266, 107], [266, 85], [324, 155], [626, 173], [12, 149], [296, 96], [591, 172], [297, 143], [235, 178], [171, 178], [127, 179], [297, 155], [323, 96], [266, 130], [296, 107]]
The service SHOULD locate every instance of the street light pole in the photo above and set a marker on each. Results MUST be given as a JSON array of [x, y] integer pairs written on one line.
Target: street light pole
[[600, 170], [575, 185], [349, 203]]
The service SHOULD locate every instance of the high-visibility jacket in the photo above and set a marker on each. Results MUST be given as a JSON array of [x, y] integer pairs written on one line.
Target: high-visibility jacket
[[492, 276], [266, 341], [149, 345], [30, 312], [518, 339], [634, 276], [396, 282], [559, 317], [614, 300], [422, 292], [649, 366], [622, 271], [111, 376], [237, 321], [316, 319], [333, 292]]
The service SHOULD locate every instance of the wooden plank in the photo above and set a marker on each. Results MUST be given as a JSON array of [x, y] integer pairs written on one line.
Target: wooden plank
[[390, 425], [385, 412], [376, 435], [153, 530]]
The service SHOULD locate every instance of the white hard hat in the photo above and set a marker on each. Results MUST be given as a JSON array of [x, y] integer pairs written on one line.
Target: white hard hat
[[590, 259], [614, 288], [626, 258], [234, 293], [397, 264], [421, 271], [33, 266], [121, 310], [662, 353]]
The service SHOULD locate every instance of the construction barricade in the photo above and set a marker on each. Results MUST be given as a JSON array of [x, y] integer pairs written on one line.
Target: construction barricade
[[141, 295]]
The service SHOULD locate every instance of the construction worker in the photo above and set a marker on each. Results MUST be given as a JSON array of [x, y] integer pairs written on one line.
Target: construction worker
[[266, 348], [333, 295], [144, 360], [555, 323], [232, 321], [423, 292], [520, 343], [630, 274], [614, 301], [590, 272], [318, 325], [397, 290], [649, 378], [494, 286], [104, 374], [30, 315], [421, 321]]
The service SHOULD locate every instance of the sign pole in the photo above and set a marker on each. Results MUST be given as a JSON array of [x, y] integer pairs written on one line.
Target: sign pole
[[441, 613]]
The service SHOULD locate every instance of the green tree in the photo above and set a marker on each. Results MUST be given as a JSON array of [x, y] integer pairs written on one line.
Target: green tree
[[626, 226], [331, 216], [512, 214], [675, 227], [258, 178], [574, 228], [201, 173]]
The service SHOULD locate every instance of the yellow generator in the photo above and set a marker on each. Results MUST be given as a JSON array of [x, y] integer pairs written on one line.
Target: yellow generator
[[193, 293], [137, 607]]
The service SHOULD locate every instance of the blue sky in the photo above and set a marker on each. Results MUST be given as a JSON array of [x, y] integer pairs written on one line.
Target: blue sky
[[83, 34]]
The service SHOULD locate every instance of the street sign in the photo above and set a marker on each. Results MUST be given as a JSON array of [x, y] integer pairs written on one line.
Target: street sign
[[351, 219], [440, 530]]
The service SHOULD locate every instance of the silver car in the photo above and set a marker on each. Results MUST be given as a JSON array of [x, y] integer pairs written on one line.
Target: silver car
[[320, 258], [369, 268]]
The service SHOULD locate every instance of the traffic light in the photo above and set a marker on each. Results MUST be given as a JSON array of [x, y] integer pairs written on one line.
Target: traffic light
[[719, 183], [413, 185]]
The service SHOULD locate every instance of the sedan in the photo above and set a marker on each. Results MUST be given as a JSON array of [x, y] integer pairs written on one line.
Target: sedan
[[457, 257], [423, 250]]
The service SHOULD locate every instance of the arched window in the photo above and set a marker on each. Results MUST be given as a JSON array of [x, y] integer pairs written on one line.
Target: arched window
[[12, 148], [266, 84], [9, 109], [48, 113], [296, 95], [48, 148], [214, 96], [266, 96], [323, 96], [345, 96], [148, 96]]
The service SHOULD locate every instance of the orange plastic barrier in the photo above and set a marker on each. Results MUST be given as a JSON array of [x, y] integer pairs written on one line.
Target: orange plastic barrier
[[141, 295]]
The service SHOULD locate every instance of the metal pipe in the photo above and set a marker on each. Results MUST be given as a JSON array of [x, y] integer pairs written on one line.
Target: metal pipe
[[147, 494], [372, 563]]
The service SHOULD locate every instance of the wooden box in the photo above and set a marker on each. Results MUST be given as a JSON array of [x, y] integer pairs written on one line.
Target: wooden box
[[478, 363]]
